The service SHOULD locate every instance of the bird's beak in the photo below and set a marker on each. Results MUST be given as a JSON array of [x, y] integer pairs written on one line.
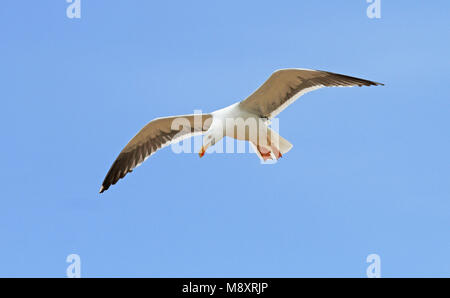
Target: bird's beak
[[205, 147], [202, 151]]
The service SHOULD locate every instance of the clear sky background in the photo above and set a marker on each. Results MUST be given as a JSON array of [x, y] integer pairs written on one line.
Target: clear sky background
[[369, 171]]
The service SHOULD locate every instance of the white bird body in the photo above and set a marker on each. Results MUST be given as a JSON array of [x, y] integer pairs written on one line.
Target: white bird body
[[224, 121], [246, 120], [237, 123]]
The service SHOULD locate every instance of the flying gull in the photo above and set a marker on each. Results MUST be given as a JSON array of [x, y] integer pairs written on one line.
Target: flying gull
[[281, 89]]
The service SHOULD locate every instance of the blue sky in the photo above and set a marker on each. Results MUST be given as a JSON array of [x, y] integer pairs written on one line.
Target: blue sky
[[369, 171]]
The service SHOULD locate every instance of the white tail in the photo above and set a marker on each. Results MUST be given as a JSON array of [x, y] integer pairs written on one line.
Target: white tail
[[283, 145], [275, 148]]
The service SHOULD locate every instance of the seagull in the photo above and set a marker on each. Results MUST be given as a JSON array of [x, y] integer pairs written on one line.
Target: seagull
[[282, 88]]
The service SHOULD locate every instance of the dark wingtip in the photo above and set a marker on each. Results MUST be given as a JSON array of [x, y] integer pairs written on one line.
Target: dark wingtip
[[102, 189], [370, 83]]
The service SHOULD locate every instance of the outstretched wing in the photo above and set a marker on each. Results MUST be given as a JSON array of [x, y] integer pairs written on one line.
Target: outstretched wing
[[157, 134], [286, 85]]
